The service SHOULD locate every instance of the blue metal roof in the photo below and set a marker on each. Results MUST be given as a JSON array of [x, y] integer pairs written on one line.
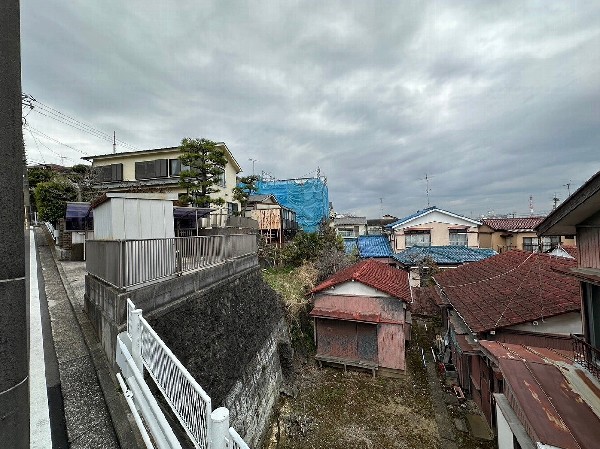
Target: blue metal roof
[[373, 246], [349, 245], [443, 255]]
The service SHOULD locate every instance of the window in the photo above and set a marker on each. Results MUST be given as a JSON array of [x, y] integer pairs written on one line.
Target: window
[[346, 232], [109, 173], [417, 238], [534, 244], [152, 169], [591, 300], [232, 208], [220, 179], [549, 243], [531, 244], [458, 237]]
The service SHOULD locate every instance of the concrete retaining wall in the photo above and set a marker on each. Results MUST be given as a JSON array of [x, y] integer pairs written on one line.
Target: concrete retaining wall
[[105, 305], [226, 326]]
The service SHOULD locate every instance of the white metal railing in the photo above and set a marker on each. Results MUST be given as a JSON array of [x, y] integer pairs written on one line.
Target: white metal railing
[[131, 263], [236, 441], [51, 230], [191, 405]]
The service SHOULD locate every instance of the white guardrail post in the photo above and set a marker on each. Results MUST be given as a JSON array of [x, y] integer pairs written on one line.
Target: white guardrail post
[[134, 327], [220, 428], [207, 429]]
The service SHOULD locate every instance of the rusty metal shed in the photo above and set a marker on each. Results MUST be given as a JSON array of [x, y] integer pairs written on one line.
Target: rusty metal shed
[[360, 317]]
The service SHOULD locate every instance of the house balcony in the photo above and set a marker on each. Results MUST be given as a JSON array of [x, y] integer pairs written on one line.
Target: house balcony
[[586, 355]]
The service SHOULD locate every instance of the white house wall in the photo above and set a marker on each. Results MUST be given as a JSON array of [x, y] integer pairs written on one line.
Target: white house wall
[[565, 324], [439, 224], [355, 289]]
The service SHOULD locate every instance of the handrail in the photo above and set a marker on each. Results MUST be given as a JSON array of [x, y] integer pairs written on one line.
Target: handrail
[[136, 262], [187, 399], [586, 354]]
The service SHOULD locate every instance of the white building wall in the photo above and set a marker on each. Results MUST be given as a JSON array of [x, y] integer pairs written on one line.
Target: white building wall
[[565, 324], [505, 435], [355, 289]]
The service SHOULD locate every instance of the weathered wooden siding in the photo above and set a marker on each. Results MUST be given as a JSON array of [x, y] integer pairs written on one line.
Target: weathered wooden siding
[[588, 242], [390, 340], [347, 340]]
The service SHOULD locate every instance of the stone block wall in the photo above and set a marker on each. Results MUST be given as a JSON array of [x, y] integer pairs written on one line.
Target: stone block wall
[[228, 337], [226, 326]]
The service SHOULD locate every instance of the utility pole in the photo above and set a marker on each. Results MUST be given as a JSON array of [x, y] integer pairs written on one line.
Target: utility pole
[[14, 347], [568, 186], [427, 189], [114, 142]]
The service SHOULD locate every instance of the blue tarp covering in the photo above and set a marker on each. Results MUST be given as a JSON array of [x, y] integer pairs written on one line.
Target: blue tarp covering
[[308, 197]]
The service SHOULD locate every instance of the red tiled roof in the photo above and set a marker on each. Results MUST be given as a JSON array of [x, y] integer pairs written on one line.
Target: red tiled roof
[[571, 250], [374, 274], [511, 288], [513, 224]]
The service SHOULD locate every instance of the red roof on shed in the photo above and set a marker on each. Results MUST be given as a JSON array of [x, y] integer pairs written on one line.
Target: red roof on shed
[[511, 288], [374, 274]]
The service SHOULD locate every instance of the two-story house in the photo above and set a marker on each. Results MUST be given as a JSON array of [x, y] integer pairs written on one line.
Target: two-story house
[[503, 234], [580, 215], [158, 170], [433, 227], [349, 226]]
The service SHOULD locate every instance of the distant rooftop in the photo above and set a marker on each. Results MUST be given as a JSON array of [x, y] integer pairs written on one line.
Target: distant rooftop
[[517, 224], [426, 211], [373, 246], [443, 255]]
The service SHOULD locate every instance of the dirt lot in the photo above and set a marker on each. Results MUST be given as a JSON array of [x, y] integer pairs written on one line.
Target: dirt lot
[[336, 410], [329, 409]]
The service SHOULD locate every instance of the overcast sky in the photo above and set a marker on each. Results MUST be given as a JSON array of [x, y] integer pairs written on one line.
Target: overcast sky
[[494, 101]]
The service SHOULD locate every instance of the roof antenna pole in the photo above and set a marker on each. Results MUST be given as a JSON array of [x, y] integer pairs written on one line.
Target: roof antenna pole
[[531, 205], [427, 189], [114, 142], [555, 200], [381, 205]]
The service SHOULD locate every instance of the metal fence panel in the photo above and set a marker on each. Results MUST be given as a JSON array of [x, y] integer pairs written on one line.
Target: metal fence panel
[[129, 263]]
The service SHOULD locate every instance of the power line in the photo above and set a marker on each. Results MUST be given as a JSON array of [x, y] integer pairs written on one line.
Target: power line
[[37, 131], [61, 117]]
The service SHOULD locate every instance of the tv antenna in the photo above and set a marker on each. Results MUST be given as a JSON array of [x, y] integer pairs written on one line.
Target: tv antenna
[[531, 205], [568, 186], [427, 189], [555, 200]]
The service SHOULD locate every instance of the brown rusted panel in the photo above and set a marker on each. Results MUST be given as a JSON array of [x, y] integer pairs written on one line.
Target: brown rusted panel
[[337, 339], [359, 308], [562, 343], [588, 241], [390, 339], [366, 341], [541, 416], [581, 420]]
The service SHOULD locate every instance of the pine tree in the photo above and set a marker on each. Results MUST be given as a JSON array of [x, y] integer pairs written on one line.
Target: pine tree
[[206, 163]]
